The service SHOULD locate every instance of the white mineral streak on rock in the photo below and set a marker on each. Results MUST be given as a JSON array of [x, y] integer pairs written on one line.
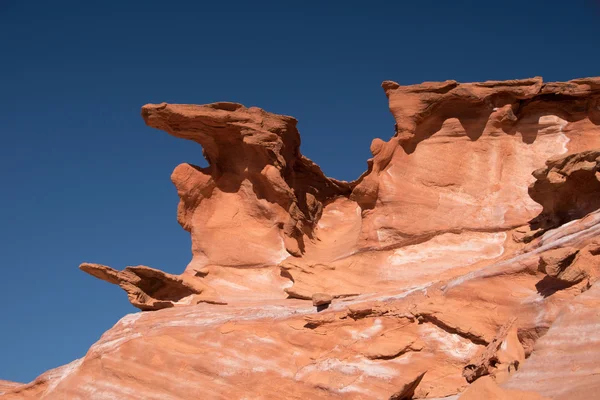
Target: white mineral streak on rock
[[558, 237], [443, 252], [451, 344]]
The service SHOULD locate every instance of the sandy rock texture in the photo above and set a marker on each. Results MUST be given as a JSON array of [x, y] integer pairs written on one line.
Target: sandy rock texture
[[463, 264]]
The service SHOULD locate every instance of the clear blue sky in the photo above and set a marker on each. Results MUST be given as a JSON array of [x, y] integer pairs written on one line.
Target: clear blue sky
[[83, 179]]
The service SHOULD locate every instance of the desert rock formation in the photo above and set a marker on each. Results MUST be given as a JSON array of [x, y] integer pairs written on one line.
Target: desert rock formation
[[462, 264]]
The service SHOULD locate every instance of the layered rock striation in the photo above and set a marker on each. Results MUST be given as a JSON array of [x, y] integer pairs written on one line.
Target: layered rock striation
[[462, 264]]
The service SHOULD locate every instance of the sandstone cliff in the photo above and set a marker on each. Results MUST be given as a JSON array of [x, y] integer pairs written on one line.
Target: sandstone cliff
[[462, 263]]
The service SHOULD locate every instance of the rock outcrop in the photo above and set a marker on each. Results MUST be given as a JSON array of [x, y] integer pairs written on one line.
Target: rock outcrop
[[151, 289], [463, 263], [256, 179]]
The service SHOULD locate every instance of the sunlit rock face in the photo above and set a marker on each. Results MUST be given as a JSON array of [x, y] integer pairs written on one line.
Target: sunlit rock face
[[462, 263]]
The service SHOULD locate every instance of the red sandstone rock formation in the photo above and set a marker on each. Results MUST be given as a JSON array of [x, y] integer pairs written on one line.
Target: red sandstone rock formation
[[256, 178], [151, 289], [462, 264]]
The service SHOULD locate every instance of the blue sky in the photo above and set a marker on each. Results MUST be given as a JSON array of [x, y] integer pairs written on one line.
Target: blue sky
[[83, 179]]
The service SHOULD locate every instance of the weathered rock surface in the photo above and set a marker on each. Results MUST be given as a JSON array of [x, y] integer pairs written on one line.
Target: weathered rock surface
[[486, 388], [6, 386], [408, 389], [567, 188], [565, 362], [500, 358], [456, 269]]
